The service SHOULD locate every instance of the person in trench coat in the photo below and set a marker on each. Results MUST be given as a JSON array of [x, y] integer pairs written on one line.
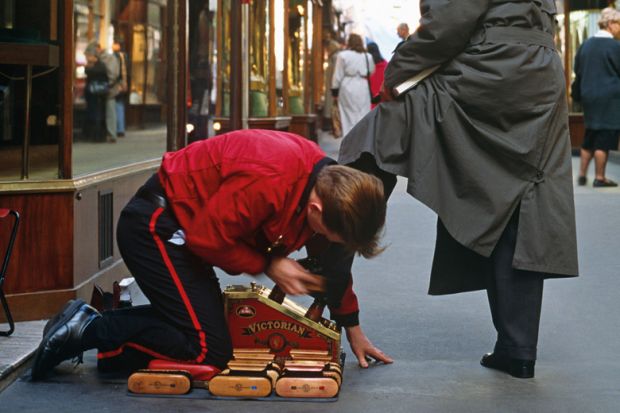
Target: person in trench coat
[[484, 143]]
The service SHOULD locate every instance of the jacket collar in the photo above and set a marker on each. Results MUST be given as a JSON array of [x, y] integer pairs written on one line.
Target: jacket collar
[[312, 180]]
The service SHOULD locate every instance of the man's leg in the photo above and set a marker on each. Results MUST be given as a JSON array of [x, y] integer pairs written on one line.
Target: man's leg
[[515, 299], [127, 339], [367, 163], [110, 119], [188, 321], [120, 116]]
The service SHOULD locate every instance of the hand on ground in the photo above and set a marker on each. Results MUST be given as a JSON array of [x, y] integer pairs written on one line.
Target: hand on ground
[[363, 348]]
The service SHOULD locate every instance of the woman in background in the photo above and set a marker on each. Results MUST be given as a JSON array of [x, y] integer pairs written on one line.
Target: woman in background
[[376, 78], [350, 82]]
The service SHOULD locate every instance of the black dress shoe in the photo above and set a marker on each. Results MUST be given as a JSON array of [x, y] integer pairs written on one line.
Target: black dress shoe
[[63, 337], [521, 369], [604, 183], [62, 314]]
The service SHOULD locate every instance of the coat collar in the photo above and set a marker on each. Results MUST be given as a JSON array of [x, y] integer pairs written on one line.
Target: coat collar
[[312, 180]]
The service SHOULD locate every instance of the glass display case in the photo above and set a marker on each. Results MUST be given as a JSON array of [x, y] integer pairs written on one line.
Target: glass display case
[[280, 62], [283, 64], [259, 58], [131, 36], [223, 62], [297, 42], [29, 90]]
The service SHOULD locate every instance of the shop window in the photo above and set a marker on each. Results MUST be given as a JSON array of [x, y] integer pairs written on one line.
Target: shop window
[[28, 31], [120, 42], [259, 58], [297, 45], [224, 48]]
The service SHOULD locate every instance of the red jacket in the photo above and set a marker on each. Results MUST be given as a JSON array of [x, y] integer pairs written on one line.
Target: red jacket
[[376, 80], [237, 197]]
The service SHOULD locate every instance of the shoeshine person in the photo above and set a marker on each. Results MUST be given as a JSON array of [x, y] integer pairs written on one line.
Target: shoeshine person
[[242, 201]]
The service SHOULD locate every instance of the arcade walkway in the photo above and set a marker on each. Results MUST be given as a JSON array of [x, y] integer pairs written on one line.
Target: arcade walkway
[[436, 341]]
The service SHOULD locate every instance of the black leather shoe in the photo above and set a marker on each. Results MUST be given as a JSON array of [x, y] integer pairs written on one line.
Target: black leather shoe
[[62, 314], [521, 369], [63, 337]]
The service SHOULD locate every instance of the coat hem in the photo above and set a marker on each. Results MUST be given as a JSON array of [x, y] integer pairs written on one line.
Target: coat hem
[[555, 272]]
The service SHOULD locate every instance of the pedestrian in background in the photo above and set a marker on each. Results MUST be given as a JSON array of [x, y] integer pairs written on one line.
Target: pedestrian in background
[[402, 30], [122, 81], [113, 72], [95, 91], [376, 78], [350, 82], [332, 47], [597, 87], [484, 143]]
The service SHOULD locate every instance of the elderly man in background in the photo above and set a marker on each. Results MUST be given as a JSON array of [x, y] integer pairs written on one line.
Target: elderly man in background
[[403, 32], [597, 87]]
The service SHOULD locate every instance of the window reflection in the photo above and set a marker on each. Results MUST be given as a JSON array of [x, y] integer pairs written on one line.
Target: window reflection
[[28, 152], [296, 75], [259, 58], [224, 47], [120, 83]]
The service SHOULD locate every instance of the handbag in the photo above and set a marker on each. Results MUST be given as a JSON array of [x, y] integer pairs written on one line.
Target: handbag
[[372, 98], [98, 87], [336, 122]]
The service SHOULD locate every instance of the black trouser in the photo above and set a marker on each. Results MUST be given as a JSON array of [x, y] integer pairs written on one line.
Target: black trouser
[[185, 321], [515, 298]]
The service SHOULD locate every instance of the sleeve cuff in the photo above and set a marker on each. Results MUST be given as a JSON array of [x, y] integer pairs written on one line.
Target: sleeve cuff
[[346, 320]]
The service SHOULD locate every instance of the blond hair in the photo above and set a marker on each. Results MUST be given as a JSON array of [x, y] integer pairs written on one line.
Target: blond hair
[[353, 207]]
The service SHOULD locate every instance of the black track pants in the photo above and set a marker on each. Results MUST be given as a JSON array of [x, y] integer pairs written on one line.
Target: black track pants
[[185, 321]]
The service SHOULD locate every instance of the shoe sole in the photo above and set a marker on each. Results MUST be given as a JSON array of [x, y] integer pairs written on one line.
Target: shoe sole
[[69, 311]]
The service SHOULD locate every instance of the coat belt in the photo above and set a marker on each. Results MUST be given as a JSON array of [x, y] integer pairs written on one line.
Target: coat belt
[[521, 35]]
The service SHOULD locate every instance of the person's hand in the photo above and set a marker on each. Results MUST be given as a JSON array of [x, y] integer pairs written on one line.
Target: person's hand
[[386, 93], [292, 278], [363, 348]]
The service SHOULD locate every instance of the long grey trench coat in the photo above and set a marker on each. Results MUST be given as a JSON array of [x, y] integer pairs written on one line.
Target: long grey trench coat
[[482, 137]]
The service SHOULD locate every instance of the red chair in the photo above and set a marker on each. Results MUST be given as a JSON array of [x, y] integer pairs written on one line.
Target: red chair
[[4, 213]]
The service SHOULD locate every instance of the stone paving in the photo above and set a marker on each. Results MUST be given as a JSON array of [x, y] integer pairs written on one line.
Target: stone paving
[[436, 341], [15, 350]]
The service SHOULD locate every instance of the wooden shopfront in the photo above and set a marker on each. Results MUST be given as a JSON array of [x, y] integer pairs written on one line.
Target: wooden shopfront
[[69, 190], [270, 68]]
